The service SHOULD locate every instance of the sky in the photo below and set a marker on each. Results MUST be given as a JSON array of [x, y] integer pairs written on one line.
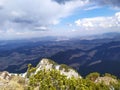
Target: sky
[[40, 18]]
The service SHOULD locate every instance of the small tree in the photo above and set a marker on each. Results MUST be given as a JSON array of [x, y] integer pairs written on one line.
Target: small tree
[[93, 76]]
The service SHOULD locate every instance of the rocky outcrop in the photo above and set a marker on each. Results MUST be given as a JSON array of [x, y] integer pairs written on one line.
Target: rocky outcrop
[[5, 75], [64, 69], [106, 80], [9, 81]]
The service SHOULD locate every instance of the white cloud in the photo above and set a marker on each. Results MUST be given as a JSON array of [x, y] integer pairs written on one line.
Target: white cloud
[[91, 7], [26, 15], [1, 31], [99, 22], [41, 11], [113, 3], [117, 15], [41, 28]]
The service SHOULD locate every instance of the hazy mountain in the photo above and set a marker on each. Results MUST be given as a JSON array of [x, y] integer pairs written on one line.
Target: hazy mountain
[[76, 52], [103, 58]]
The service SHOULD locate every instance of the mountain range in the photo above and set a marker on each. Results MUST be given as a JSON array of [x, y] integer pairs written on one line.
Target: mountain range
[[97, 53], [103, 58]]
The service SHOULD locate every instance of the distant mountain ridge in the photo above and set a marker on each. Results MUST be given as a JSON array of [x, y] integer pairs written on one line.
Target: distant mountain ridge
[[104, 58], [79, 53]]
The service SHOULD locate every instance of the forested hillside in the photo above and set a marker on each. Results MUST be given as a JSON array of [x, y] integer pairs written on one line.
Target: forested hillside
[[49, 75]]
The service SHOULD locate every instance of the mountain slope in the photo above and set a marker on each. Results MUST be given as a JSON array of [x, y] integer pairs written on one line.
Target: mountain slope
[[104, 58], [48, 65], [48, 75]]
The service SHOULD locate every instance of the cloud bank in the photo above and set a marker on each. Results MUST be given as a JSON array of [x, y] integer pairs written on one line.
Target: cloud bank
[[113, 3], [99, 22], [39, 12], [23, 18], [26, 15]]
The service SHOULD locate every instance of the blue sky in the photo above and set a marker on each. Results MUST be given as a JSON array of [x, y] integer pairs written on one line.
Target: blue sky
[[39, 18]]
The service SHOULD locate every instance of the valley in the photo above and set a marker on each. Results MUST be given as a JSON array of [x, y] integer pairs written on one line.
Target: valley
[[95, 55]]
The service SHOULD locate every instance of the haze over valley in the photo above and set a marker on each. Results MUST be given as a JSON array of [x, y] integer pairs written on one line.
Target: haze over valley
[[85, 55]]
